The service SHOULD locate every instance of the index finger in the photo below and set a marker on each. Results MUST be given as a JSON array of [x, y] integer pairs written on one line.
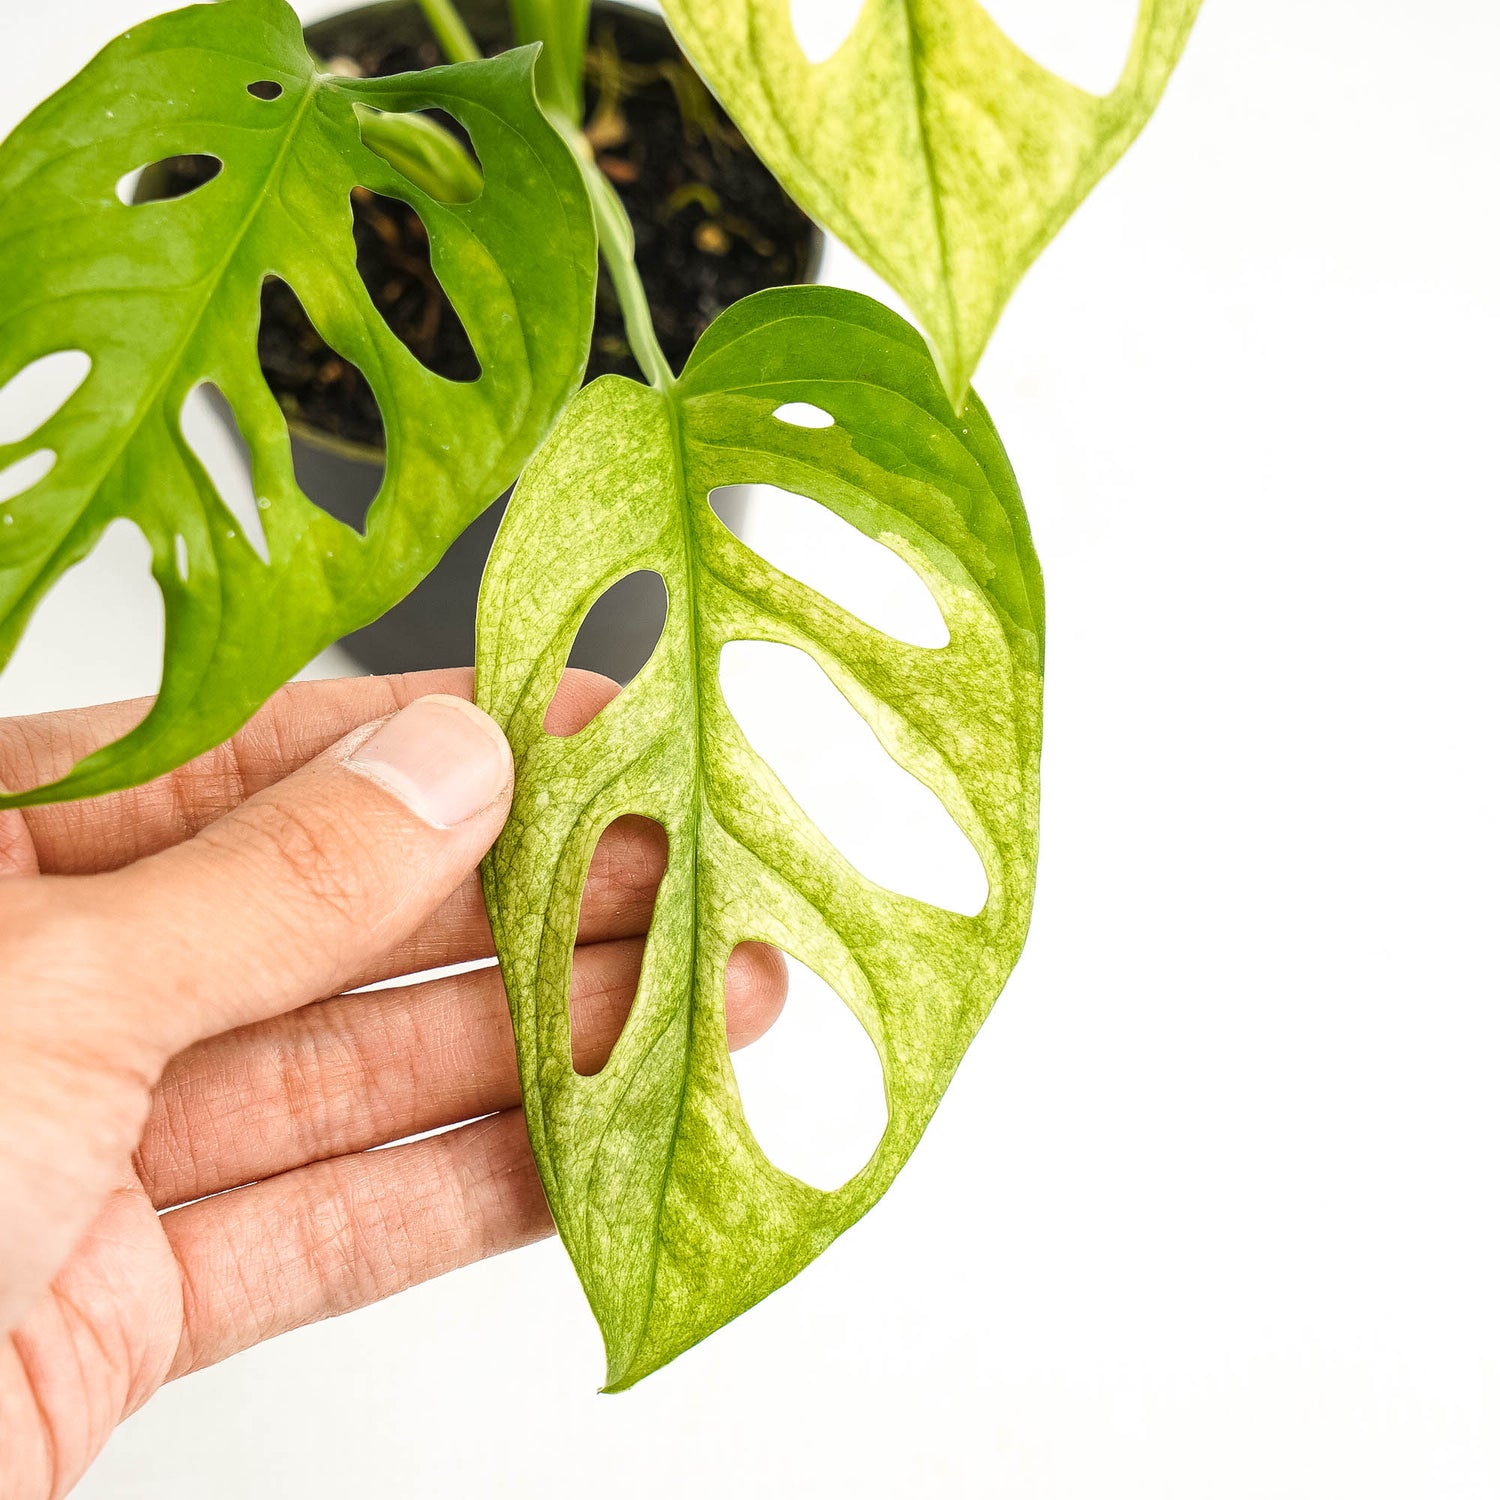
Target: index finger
[[297, 724]]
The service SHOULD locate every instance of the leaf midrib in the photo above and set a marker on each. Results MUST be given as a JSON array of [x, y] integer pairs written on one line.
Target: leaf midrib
[[929, 165], [174, 359], [670, 400]]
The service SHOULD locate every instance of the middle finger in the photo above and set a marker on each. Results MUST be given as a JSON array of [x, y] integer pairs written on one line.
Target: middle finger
[[359, 1071], [618, 900]]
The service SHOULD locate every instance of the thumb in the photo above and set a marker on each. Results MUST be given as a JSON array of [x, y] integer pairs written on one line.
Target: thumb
[[302, 886]]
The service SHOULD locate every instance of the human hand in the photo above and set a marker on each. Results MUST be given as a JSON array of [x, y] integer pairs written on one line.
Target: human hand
[[186, 1122]]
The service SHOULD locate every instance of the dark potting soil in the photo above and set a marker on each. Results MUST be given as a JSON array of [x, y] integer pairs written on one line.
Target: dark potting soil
[[712, 225]]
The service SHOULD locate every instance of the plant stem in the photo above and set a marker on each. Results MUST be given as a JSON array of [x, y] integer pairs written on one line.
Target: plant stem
[[617, 244], [449, 29], [561, 26]]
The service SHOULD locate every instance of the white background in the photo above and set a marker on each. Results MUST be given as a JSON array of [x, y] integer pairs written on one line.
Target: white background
[[1211, 1208]]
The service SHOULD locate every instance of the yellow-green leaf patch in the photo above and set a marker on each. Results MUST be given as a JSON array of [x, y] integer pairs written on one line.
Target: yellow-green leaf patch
[[934, 147], [673, 1215]]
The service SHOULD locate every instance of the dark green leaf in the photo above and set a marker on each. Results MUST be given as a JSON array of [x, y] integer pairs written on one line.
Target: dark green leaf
[[165, 295]]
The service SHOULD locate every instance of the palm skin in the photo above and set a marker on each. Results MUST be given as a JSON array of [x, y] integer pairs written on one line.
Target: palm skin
[[100, 1342], [186, 1160]]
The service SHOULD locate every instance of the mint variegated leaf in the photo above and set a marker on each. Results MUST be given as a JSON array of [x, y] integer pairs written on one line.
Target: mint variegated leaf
[[931, 144], [673, 1215]]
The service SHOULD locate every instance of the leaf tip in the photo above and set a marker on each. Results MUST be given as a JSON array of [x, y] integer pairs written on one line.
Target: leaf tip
[[956, 385], [954, 366]]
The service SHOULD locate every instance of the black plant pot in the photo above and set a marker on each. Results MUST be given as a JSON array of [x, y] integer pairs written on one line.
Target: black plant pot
[[712, 225]]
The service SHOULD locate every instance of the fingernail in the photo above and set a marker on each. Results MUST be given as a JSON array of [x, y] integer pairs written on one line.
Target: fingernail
[[444, 758]]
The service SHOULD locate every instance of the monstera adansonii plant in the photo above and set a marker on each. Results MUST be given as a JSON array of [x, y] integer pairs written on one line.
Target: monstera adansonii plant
[[938, 151]]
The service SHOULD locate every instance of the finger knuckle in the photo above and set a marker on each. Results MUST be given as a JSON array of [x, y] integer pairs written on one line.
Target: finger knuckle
[[356, 1244], [304, 851]]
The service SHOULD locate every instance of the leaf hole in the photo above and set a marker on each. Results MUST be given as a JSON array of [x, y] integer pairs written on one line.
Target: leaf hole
[[1083, 41], [25, 473], [823, 26], [394, 260], [624, 878], [171, 177], [35, 394], [265, 88], [622, 627], [803, 414], [885, 822], [338, 447], [812, 1088], [184, 562], [212, 433], [809, 542], [98, 634], [421, 156], [579, 699]]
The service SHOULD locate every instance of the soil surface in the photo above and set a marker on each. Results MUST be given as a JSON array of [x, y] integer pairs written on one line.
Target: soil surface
[[712, 225]]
